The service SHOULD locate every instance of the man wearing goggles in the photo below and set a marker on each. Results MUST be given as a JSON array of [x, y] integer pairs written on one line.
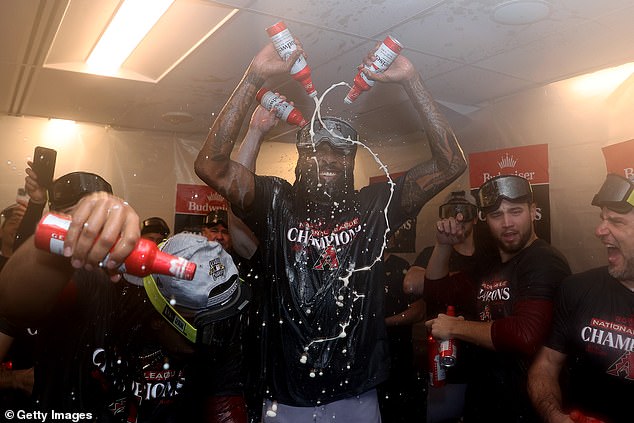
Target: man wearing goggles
[[458, 202], [326, 155], [447, 402], [593, 325], [315, 235], [505, 307]]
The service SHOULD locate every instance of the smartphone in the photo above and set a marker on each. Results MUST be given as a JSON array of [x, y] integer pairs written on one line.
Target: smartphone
[[22, 197], [44, 165]]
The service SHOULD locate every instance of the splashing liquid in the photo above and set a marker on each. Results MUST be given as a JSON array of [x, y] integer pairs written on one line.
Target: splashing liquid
[[345, 290]]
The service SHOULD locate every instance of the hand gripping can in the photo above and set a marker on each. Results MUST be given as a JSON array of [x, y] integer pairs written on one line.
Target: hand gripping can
[[447, 347], [285, 45]]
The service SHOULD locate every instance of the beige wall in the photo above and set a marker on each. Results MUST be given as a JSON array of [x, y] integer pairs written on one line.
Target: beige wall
[[144, 167]]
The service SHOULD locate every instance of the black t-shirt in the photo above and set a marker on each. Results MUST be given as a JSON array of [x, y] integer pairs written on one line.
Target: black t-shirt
[[396, 301], [457, 261], [96, 354], [19, 357], [594, 326], [496, 390], [326, 331]]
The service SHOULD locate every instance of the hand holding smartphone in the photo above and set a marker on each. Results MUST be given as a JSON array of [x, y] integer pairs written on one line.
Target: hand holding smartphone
[[44, 165]]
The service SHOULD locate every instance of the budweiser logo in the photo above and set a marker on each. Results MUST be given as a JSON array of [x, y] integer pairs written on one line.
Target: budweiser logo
[[507, 161], [215, 197]]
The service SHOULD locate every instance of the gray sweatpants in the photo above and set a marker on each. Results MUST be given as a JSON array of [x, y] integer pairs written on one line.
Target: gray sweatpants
[[363, 408]]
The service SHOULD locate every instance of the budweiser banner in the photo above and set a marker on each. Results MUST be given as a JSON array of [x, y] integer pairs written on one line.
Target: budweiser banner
[[529, 162], [193, 203], [619, 158], [403, 239]]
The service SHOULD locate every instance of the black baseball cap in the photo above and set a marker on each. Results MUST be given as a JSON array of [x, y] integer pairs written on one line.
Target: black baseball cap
[[155, 225], [68, 189], [215, 217]]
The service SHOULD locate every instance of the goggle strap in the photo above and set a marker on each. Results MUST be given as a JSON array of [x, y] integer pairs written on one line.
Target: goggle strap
[[168, 312]]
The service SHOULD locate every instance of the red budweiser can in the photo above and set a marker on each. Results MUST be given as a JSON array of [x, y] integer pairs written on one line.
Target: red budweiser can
[[51, 232], [447, 347], [436, 371], [145, 259], [285, 45]]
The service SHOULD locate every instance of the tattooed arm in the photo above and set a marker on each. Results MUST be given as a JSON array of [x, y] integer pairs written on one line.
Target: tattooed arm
[[447, 162], [213, 164]]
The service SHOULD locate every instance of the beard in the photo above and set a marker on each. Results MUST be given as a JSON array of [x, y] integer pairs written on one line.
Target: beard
[[309, 186], [623, 273], [525, 236]]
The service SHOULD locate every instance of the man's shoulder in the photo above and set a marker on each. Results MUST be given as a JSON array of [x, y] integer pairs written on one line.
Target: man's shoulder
[[271, 186], [590, 276], [542, 250]]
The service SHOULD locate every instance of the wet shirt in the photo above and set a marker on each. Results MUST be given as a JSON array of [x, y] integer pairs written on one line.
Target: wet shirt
[[326, 334], [94, 356], [594, 326]]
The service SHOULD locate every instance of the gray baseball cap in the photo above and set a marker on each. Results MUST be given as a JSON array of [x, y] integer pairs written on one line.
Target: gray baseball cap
[[215, 293]]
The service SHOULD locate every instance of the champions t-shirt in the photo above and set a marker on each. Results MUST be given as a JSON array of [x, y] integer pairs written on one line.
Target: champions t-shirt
[[95, 354], [326, 337], [496, 388], [594, 326]]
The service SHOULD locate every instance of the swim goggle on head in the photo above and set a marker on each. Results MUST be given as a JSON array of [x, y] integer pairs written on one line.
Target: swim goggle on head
[[336, 132], [616, 193], [503, 187], [458, 204]]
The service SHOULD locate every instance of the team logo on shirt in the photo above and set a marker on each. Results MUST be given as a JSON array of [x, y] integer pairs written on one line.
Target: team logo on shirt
[[328, 258], [623, 367]]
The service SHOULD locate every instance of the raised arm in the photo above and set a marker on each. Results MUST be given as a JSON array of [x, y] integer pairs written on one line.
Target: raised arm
[[447, 161], [450, 231], [262, 121], [213, 164], [37, 202]]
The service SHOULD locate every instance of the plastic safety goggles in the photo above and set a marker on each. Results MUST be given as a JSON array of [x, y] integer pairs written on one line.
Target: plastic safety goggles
[[616, 193], [468, 211], [334, 131], [504, 187]]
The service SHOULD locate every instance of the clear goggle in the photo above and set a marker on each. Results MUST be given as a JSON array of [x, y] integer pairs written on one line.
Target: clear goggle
[[616, 193], [504, 187], [335, 131], [468, 211]]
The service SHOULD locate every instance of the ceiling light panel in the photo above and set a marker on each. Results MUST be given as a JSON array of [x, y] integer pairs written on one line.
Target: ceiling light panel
[[185, 25]]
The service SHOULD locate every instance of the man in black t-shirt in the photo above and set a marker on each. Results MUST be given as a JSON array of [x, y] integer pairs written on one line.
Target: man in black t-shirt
[[504, 308], [320, 240], [592, 341], [446, 402]]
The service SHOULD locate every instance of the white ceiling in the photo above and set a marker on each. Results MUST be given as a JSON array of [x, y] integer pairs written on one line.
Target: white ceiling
[[467, 59]]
